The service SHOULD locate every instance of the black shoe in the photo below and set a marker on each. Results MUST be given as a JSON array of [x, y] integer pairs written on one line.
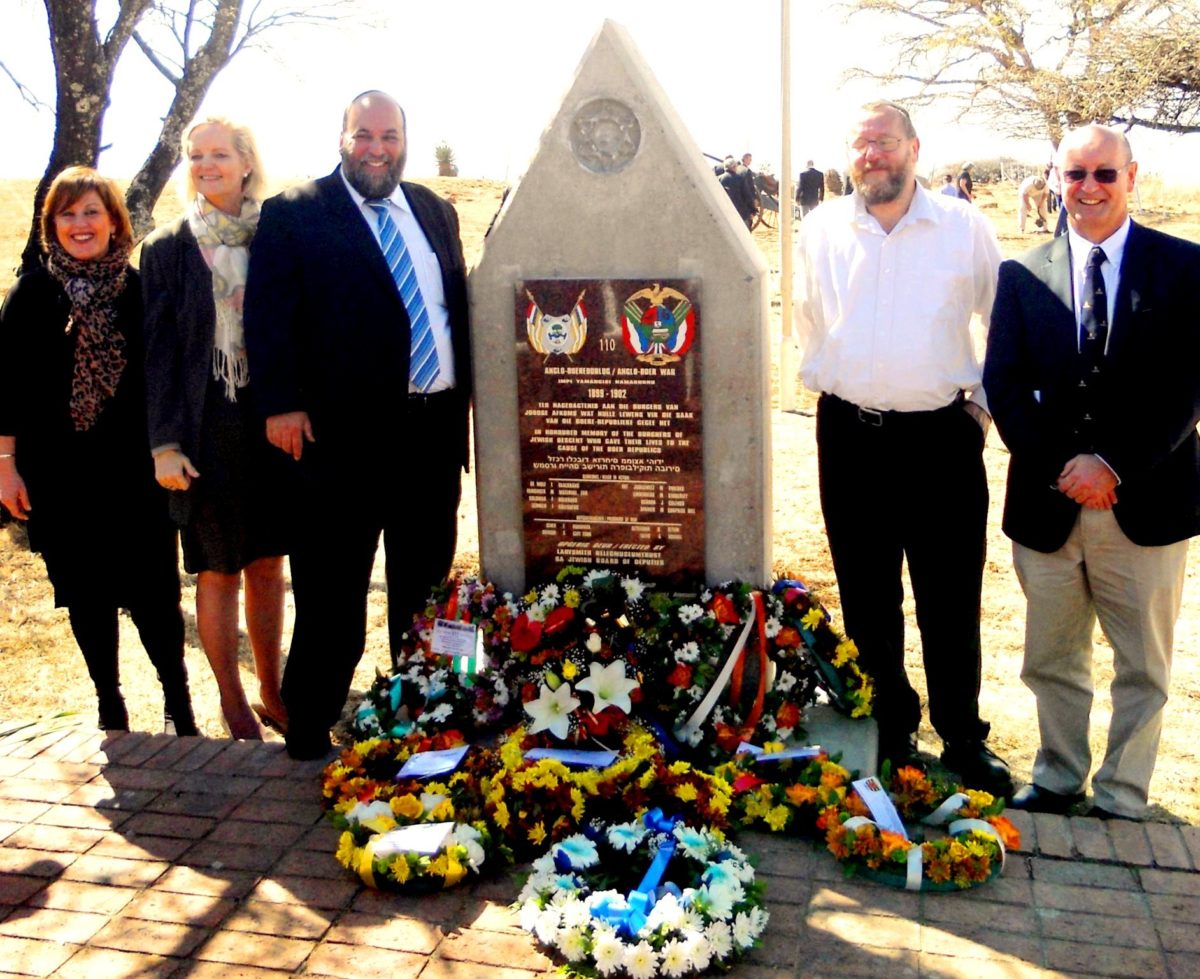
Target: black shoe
[[1033, 798], [308, 746], [113, 716], [978, 766], [899, 749], [1099, 812]]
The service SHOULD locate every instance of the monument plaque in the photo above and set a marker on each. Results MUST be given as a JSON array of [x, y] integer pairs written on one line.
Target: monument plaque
[[616, 277], [609, 403]]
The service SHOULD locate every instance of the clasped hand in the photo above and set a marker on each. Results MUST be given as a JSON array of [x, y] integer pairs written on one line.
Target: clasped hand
[[1089, 482]]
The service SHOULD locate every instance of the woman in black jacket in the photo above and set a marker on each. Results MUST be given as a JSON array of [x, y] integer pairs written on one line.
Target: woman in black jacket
[[210, 449], [73, 442]]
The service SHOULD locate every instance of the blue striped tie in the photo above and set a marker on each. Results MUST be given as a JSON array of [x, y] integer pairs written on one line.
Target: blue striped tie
[[423, 366]]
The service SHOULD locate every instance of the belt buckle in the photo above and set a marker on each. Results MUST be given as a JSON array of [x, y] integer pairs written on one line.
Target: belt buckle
[[869, 416]]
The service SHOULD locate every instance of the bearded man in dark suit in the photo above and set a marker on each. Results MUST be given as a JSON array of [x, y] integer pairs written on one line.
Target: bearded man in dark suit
[[1093, 378], [357, 332]]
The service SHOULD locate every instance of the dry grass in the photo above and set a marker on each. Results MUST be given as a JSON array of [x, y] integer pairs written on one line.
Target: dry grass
[[44, 671]]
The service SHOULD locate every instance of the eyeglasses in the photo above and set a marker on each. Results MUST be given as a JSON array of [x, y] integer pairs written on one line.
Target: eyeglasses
[[885, 145], [1105, 175]]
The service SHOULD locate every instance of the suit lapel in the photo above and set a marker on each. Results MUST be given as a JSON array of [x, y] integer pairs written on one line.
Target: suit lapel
[[1056, 274], [347, 224], [1130, 285]]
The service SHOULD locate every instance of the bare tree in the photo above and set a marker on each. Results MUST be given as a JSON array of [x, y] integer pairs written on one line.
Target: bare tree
[[84, 63], [188, 41], [1038, 72]]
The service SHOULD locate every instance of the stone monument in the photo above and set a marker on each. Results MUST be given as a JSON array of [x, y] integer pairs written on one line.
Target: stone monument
[[620, 351]]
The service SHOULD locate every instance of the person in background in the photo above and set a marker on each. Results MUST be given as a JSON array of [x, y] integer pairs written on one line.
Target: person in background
[[73, 458], [888, 281], [966, 186], [751, 188], [948, 189], [1031, 197], [733, 185], [810, 188], [208, 445]]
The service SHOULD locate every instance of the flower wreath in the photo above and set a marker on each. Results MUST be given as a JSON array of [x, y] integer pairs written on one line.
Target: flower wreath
[[816, 798], [649, 897], [533, 802], [371, 806], [428, 691], [575, 659], [738, 663]]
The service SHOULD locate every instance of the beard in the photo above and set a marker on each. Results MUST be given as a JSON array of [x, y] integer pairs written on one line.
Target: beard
[[373, 184], [885, 191]]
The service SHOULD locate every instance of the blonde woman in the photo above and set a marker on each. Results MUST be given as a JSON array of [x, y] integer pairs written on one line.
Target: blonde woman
[[208, 447]]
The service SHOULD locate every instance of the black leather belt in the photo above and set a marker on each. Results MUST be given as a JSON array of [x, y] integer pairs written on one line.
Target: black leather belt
[[877, 419]]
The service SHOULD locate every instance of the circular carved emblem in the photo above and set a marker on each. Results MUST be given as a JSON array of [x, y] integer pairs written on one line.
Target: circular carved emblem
[[605, 135]]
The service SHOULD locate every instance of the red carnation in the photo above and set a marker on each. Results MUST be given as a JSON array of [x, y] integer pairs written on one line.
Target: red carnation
[[526, 634], [681, 676]]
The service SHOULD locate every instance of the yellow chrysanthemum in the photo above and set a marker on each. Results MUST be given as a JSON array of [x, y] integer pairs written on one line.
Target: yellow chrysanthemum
[[686, 792], [442, 812], [572, 598], [577, 805], [812, 618], [777, 818], [845, 652], [537, 833], [345, 850], [500, 816], [679, 768], [407, 806], [569, 670], [399, 869]]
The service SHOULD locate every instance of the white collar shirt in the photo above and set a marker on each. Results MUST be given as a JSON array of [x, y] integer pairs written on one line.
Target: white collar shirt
[[429, 275], [883, 319], [1110, 270]]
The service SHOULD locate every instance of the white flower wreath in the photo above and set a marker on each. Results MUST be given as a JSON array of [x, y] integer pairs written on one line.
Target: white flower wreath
[[697, 905]]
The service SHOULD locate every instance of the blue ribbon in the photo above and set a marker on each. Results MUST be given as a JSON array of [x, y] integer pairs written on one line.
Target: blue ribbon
[[631, 915]]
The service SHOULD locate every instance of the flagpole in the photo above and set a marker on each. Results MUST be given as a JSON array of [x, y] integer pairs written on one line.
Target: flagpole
[[787, 346]]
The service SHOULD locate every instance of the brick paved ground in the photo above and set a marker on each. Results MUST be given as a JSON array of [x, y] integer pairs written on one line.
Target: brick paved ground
[[147, 855]]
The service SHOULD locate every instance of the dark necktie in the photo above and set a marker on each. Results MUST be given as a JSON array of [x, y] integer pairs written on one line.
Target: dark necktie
[[1093, 317], [423, 367], [1094, 313]]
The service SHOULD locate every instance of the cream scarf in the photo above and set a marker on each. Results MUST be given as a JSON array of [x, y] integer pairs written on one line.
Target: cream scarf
[[223, 242]]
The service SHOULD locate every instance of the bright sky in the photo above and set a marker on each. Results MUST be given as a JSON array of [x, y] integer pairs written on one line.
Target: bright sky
[[487, 77]]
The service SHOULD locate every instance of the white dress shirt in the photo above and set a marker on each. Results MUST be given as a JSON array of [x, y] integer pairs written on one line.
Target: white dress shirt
[[1110, 270], [429, 276], [884, 319]]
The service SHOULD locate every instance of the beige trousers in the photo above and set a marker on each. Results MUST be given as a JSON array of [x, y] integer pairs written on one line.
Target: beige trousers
[[1135, 592]]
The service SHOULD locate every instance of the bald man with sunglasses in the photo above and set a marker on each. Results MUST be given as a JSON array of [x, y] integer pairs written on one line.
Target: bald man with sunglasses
[[1092, 376]]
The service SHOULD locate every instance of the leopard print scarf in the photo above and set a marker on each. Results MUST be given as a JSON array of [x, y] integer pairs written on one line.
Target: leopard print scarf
[[93, 287]]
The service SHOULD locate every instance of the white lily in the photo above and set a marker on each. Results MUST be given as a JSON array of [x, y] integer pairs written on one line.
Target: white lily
[[552, 710], [609, 685]]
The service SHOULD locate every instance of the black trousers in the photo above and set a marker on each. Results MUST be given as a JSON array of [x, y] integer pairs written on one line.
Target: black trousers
[[909, 485], [411, 501]]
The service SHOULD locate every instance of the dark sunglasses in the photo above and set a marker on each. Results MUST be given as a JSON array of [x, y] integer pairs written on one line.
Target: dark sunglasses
[[1105, 175]]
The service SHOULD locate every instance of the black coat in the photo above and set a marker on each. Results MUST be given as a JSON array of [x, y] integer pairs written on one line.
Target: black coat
[[1148, 401], [326, 331]]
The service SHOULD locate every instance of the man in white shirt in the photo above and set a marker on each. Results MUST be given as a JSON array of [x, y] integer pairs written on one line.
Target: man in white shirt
[[1092, 374], [888, 281], [1031, 198]]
